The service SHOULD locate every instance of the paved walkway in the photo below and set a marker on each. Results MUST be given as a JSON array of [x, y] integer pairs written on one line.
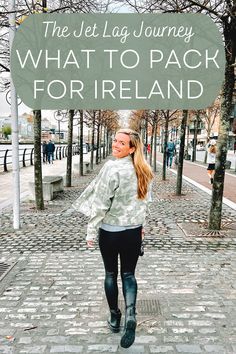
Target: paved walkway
[[27, 175], [193, 172], [197, 172], [52, 301]]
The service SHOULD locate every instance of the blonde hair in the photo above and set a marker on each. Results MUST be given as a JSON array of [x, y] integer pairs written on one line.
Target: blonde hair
[[212, 149], [142, 168]]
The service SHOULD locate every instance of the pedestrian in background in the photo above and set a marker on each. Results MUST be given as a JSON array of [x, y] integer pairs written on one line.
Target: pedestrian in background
[[45, 152], [50, 151], [211, 159], [53, 158], [170, 150], [116, 202]]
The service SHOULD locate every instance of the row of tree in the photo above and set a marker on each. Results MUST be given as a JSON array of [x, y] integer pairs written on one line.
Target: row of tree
[[170, 121], [223, 14], [104, 122], [102, 125], [149, 124]]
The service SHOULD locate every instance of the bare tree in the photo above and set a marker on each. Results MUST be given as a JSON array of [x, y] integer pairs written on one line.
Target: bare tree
[[223, 14], [37, 162], [181, 153], [25, 8], [110, 124], [195, 117], [155, 118], [69, 144], [167, 117], [210, 115]]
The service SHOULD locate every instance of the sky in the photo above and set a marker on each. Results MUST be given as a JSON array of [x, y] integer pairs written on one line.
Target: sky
[[5, 111]]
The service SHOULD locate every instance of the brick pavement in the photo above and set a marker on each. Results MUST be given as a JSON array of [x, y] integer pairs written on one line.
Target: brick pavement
[[52, 301]]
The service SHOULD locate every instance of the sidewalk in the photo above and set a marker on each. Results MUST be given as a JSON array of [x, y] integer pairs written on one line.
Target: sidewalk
[[52, 301], [27, 175], [197, 172]]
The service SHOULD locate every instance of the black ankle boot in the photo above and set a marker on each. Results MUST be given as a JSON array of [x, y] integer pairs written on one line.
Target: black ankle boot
[[114, 322], [129, 330]]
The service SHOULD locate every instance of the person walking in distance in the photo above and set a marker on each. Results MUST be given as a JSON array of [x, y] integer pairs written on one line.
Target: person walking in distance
[[170, 150], [50, 150], [211, 160], [116, 202], [45, 152]]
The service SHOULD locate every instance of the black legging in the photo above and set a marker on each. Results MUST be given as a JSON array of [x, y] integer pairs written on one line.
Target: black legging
[[126, 244]]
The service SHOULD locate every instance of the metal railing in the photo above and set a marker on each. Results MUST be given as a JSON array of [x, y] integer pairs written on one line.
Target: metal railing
[[26, 156]]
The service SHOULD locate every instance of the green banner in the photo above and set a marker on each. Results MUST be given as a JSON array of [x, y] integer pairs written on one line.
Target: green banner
[[118, 61]]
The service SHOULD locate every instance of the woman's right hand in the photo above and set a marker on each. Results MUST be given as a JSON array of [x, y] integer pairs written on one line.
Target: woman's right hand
[[90, 243], [143, 233]]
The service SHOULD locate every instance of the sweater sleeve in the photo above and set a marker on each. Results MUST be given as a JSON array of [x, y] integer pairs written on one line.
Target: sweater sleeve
[[104, 191], [84, 202]]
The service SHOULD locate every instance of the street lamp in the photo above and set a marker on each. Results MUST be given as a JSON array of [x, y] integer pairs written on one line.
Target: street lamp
[[76, 118], [8, 98], [60, 117]]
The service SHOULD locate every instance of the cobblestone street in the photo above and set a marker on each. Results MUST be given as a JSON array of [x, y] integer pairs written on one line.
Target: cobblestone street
[[52, 300]]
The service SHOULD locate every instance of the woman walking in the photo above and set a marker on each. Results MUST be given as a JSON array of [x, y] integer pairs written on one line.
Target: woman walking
[[116, 202], [211, 160]]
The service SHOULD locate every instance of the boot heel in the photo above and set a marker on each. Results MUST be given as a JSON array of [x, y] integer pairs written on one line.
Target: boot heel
[[113, 329], [114, 322], [128, 337]]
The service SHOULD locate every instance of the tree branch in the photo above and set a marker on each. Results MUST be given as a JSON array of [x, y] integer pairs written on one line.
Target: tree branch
[[4, 67]]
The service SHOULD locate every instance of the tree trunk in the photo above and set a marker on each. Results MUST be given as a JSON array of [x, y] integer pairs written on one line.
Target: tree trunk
[[70, 142], [196, 125], [98, 139], [181, 153], [104, 143], [221, 156], [155, 144], [110, 143], [100, 144], [38, 162], [165, 146], [226, 108], [151, 143], [187, 150], [81, 156], [146, 135], [205, 156], [92, 141], [194, 141], [107, 143], [141, 124]]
